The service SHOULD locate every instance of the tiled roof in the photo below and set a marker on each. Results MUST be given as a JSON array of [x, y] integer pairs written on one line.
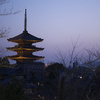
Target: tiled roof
[[25, 36], [30, 56], [25, 47]]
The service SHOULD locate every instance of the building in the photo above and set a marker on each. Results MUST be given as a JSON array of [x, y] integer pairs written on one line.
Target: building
[[25, 57]]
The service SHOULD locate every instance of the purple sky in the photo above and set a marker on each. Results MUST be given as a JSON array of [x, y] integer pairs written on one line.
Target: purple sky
[[58, 22]]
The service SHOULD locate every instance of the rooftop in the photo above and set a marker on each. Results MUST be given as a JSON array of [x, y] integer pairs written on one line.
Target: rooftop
[[25, 36]]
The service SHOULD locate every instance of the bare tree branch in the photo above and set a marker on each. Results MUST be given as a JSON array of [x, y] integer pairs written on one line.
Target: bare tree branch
[[5, 12], [10, 12], [3, 32], [93, 56], [67, 59], [3, 2], [60, 57]]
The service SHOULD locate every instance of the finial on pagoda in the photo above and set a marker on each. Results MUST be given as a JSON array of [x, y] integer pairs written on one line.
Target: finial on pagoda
[[25, 22]]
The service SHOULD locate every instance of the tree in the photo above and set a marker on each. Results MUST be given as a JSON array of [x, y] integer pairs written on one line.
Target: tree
[[67, 59], [12, 91], [53, 72], [82, 86], [5, 12], [80, 83], [4, 62], [3, 32]]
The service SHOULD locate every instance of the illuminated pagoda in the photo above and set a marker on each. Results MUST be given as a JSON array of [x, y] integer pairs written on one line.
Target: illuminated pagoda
[[25, 58], [25, 48]]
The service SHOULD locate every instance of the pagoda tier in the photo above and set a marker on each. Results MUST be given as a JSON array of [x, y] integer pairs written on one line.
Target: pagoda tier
[[25, 59], [25, 37], [25, 48], [24, 51]]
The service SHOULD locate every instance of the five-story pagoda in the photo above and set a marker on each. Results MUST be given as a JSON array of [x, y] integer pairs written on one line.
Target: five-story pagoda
[[25, 48]]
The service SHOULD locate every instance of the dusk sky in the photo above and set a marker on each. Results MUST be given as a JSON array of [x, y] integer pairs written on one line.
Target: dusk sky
[[58, 22]]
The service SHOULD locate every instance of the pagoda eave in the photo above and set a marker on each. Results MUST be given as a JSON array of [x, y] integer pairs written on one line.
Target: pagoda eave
[[29, 49], [23, 40], [27, 58]]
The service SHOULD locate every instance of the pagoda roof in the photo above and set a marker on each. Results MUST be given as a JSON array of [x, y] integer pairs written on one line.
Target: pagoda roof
[[25, 48], [25, 36], [15, 57]]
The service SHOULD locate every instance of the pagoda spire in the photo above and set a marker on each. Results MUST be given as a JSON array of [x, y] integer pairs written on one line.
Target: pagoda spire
[[25, 21]]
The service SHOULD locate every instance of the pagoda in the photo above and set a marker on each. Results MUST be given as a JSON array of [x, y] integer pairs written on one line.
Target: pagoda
[[25, 49]]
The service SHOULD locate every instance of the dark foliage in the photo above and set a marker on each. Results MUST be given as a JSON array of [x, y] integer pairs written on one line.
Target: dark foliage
[[80, 83], [12, 91]]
